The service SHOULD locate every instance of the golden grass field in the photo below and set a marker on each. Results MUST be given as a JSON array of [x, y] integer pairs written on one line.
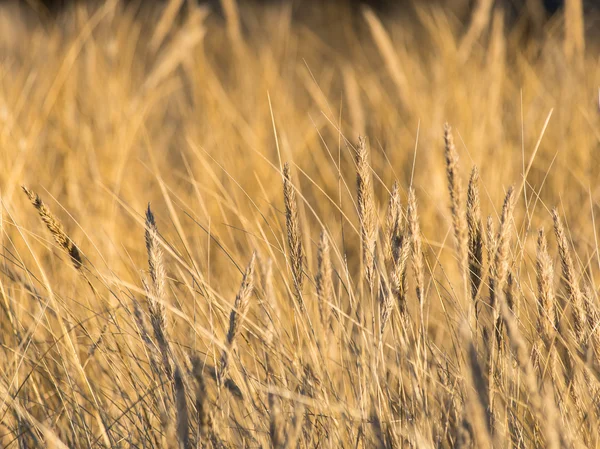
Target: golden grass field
[[198, 249]]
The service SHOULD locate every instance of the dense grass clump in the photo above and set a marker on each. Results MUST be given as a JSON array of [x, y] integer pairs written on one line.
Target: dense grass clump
[[273, 229]]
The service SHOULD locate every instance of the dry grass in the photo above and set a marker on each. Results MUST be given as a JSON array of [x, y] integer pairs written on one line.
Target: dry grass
[[298, 287]]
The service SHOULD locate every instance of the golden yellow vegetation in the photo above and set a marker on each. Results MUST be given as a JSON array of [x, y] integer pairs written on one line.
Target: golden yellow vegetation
[[257, 229]]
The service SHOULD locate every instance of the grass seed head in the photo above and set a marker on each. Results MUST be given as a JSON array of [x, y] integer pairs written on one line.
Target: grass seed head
[[366, 210], [55, 228]]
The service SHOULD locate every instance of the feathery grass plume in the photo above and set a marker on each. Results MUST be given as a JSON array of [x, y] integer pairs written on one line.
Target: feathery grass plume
[[499, 268], [324, 280], [203, 416], [476, 234], [500, 264], [292, 222], [366, 210], [155, 292], [393, 222], [155, 264], [386, 304], [543, 405], [547, 320], [238, 313], [400, 253], [459, 220], [414, 230], [183, 421], [570, 281], [55, 228]]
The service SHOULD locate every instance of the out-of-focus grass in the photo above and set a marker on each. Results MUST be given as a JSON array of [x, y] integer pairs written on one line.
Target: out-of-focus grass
[[105, 109]]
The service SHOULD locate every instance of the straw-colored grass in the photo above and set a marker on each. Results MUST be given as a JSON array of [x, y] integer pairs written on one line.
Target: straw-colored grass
[[295, 282]]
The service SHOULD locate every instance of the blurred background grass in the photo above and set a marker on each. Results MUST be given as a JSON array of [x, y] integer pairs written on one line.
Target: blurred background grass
[[99, 102], [106, 107]]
